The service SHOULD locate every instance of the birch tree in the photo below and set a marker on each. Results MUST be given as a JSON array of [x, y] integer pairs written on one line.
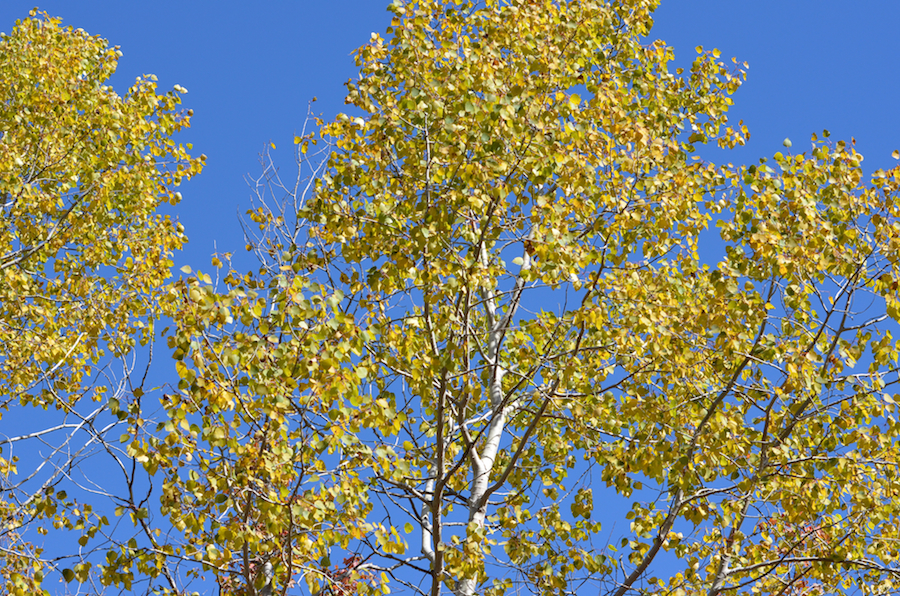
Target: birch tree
[[495, 344], [497, 347]]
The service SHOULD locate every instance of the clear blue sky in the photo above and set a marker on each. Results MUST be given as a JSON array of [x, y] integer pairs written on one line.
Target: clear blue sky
[[251, 67]]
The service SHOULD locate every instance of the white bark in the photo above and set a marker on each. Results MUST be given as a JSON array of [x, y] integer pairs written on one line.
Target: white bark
[[483, 463]]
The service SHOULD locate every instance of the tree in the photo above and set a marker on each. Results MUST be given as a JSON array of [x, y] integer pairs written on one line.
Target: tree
[[492, 320], [490, 348], [84, 254]]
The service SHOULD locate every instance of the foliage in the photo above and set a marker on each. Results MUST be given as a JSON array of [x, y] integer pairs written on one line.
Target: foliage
[[487, 327], [510, 334], [83, 256]]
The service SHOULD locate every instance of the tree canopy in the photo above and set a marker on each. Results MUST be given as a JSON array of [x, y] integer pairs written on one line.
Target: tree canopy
[[84, 255], [509, 334]]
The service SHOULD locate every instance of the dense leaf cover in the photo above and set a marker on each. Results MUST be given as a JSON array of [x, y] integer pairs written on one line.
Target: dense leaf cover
[[511, 335], [84, 255]]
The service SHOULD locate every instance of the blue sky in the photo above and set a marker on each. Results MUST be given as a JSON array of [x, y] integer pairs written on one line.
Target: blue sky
[[251, 67]]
